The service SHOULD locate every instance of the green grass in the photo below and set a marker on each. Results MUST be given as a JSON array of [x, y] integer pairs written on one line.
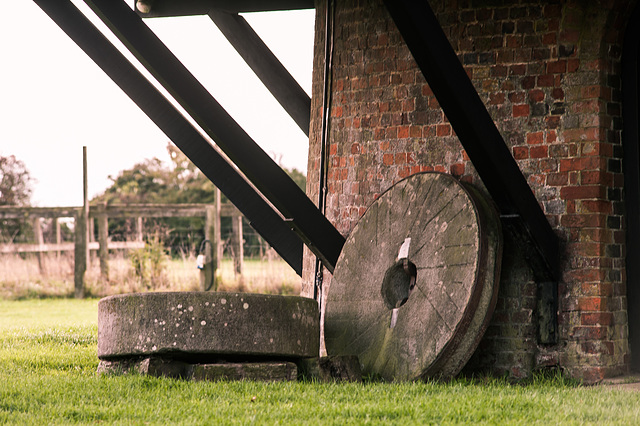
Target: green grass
[[47, 376]]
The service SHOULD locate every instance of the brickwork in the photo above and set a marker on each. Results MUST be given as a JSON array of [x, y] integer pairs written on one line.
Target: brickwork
[[549, 74]]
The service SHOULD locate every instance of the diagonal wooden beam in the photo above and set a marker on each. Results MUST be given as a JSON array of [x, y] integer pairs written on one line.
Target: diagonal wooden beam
[[478, 133], [310, 224], [263, 218], [266, 66]]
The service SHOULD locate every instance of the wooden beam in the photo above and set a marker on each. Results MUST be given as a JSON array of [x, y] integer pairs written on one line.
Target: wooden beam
[[292, 204], [15, 212], [266, 66], [164, 8], [631, 163], [44, 248], [273, 227], [116, 211]]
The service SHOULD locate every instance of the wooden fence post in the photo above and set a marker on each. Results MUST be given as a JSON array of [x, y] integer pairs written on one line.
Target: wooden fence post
[[80, 254], [91, 237], [218, 226], [103, 240], [58, 236], [81, 258], [139, 228], [208, 279], [237, 241], [39, 240]]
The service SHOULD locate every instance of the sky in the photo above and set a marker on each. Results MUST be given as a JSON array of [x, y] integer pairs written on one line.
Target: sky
[[54, 99]]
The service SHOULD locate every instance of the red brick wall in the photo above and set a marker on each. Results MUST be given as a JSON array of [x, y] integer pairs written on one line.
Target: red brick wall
[[549, 74]]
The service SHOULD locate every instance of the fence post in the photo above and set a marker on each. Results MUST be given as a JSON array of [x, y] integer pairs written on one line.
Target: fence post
[[39, 240], [139, 228], [80, 254], [58, 236], [103, 240], [208, 279], [217, 236], [237, 239]]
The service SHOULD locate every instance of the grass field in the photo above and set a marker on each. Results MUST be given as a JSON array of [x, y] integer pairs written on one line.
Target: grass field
[[47, 376]]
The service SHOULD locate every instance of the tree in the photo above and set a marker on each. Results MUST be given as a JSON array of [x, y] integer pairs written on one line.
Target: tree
[[15, 182], [15, 190]]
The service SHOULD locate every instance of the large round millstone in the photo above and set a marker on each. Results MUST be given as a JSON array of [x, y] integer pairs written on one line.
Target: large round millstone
[[205, 327], [416, 282]]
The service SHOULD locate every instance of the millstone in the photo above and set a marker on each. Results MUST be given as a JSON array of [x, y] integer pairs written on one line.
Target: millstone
[[206, 327], [416, 282]]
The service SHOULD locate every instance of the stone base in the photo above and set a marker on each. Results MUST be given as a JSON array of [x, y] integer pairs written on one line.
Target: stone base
[[324, 369], [258, 371], [332, 369], [276, 371]]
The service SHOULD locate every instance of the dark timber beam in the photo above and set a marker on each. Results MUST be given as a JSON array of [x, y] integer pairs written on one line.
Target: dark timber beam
[[160, 8], [478, 134], [263, 218], [630, 147], [267, 67], [312, 226]]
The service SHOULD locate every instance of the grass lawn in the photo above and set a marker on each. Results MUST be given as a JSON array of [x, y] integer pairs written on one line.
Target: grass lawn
[[47, 376]]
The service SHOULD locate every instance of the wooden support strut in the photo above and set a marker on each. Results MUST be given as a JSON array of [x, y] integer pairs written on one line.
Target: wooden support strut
[[478, 134], [631, 163], [314, 229], [266, 66], [261, 215]]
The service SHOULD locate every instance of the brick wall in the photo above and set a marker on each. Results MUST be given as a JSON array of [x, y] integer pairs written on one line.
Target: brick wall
[[549, 74]]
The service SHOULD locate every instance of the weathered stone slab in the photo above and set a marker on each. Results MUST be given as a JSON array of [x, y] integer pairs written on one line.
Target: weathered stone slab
[[332, 368], [156, 367], [257, 371], [206, 327], [270, 371], [415, 283]]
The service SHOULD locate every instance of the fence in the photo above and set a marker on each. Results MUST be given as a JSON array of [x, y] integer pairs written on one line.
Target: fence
[[84, 235]]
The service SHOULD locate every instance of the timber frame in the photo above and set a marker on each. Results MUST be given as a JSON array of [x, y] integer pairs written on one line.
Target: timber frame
[[276, 226], [275, 206]]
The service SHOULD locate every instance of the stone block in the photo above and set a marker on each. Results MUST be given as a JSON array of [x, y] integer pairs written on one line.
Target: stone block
[[258, 371], [332, 368]]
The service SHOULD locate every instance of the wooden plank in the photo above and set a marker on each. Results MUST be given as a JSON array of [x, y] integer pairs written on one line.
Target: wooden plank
[[34, 248], [117, 211], [43, 248], [15, 212], [162, 8]]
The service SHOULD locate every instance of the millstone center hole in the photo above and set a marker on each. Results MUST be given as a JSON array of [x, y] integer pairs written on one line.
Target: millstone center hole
[[398, 282]]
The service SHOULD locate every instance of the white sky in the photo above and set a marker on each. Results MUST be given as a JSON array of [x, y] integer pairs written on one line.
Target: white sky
[[54, 100]]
